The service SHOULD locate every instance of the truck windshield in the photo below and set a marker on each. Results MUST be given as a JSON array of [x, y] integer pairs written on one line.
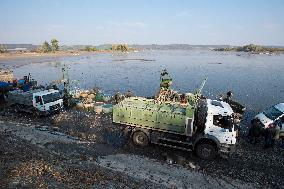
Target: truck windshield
[[51, 97], [272, 113], [224, 122]]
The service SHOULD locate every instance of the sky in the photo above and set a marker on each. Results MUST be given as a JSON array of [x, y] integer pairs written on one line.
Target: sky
[[94, 22]]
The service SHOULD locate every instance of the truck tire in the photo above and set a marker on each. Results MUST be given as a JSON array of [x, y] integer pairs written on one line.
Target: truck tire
[[206, 151], [139, 138]]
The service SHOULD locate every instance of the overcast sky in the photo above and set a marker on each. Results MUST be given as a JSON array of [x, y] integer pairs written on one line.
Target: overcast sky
[[235, 22]]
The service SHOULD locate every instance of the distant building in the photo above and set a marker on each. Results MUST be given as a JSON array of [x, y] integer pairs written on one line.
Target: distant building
[[19, 47]]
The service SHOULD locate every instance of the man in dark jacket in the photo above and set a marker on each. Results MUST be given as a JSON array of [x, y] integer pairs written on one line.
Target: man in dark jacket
[[255, 131], [270, 133]]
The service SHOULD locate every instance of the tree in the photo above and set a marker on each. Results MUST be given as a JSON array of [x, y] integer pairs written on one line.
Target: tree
[[45, 47], [3, 49], [120, 47], [54, 45], [90, 48]]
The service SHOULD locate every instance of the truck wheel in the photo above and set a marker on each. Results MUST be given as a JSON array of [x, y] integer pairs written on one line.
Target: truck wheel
[[206, 151], [139, 138]]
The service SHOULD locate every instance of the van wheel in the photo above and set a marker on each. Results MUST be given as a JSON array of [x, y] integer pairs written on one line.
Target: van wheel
[[36, 113], [206, 151], [139, 138]]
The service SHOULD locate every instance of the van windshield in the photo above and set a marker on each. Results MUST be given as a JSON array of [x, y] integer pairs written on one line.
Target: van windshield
[[51, 97], [272, 113]]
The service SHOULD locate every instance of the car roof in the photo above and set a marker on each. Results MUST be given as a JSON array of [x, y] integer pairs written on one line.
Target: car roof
[[280, 107], [46, 92]]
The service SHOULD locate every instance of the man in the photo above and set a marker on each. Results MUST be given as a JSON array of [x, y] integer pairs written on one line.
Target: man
[[276, 135], [270, 133], [255, 131], [229, 95], [117, 97], [280, 135], [128, 94], [165, 80]]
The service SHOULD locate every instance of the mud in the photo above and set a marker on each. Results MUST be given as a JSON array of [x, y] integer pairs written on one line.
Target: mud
[[85, 136], [25, 165]]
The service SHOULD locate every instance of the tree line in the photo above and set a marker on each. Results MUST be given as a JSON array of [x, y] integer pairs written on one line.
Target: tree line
[[251, 48]]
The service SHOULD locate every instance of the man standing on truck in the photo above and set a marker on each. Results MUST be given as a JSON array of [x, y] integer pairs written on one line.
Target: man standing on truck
[[229, 95], [128, 94], [165, 80], [165, 92], [118, 97]]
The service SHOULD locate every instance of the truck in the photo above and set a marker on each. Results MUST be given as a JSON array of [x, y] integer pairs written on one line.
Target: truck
[[38, 101], [204, 126]]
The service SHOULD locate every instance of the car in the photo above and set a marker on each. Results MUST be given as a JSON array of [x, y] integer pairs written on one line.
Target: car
[[274, 114]]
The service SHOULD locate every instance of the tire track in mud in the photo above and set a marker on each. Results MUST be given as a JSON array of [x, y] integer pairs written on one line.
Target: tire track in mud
[[137, 167]]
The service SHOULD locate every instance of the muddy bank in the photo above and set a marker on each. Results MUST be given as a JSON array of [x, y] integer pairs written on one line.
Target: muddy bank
[[36, 158], [32, 158], [34, 55], [249, 164], [25, 165]]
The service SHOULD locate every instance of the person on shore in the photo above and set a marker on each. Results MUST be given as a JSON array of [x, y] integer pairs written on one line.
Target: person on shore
[[282, 141], [281, 135], [277, 133], [255, 131], [270, 134]]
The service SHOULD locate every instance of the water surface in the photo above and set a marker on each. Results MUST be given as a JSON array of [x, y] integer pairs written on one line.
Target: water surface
[[256, 80]]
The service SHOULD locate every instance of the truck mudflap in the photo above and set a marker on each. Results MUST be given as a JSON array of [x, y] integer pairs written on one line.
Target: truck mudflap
[[226, 150]]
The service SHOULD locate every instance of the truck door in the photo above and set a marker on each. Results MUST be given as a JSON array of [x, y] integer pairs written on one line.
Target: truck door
[[38, 103]]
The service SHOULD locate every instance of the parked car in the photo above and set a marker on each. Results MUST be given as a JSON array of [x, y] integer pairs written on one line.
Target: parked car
[[274, 114]]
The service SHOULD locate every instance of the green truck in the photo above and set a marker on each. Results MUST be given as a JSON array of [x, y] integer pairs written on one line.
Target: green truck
[[202, 125]]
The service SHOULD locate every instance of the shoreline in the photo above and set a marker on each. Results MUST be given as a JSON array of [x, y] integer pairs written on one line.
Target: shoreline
[[12, 56]]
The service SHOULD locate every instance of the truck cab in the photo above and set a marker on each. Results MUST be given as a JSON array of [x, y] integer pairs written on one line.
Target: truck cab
[[47, 101], [39, 101], [218, 129]]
